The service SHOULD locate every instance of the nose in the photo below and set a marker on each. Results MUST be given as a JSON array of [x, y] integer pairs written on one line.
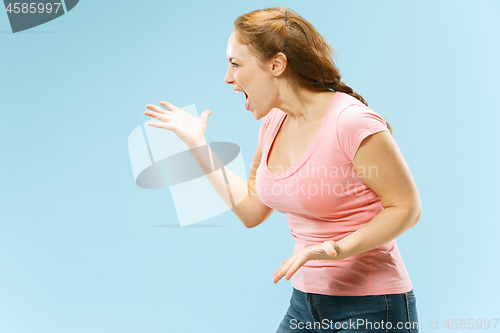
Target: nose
[[229, 77]]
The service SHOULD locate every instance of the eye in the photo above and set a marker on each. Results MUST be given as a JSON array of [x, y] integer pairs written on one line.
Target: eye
[[234, 65]]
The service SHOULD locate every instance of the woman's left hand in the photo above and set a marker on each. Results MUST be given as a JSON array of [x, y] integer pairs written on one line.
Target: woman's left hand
[[328, 250]]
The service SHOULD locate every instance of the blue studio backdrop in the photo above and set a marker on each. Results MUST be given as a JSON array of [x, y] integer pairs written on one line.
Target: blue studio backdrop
[[84, 249]]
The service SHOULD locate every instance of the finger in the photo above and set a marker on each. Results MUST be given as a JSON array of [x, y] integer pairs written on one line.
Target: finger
[[156, 115], [156, 108], [155, 124], [277, 275], [295, 267], [276, 278], [284, 269], [160, 125], [278, 272], [169, 106], [282, 265]]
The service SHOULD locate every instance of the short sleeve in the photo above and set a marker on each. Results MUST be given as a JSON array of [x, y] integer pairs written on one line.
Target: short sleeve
[[354, 124]]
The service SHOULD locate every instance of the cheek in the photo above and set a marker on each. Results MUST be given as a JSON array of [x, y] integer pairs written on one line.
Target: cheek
[[258, 84], [266, 89]]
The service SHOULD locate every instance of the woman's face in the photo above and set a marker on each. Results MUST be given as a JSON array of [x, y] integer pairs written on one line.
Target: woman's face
[[244, 73]]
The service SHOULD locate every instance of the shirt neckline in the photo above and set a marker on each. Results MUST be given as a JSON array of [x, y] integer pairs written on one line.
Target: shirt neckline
[[288, 172]]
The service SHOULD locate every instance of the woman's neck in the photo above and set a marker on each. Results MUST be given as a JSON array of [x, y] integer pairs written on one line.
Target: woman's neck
[[306, 107]]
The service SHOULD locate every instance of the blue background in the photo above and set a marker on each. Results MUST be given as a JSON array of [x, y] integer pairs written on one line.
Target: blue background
[[83, 249]]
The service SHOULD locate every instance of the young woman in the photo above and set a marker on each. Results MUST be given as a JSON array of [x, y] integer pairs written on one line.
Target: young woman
[[330, 163]]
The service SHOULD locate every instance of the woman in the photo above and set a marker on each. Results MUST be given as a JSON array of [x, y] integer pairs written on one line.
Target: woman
[[330, 163]]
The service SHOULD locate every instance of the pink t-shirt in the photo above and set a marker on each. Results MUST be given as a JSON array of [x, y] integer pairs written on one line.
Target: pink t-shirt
[[324, 199]]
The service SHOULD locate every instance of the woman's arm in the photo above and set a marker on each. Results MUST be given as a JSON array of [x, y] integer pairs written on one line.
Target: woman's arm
[[241, 196], [395, 186], [243, 201]]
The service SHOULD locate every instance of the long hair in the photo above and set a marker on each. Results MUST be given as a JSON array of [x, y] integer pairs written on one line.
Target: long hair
[[310, 62]]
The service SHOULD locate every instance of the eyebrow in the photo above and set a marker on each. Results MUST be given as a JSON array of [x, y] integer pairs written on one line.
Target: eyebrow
[[231, 59]]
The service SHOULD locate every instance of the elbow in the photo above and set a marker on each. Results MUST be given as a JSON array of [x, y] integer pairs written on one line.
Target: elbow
[[415, 213], [418, 214], [251, 224], [247, 225], [413, 209], [410, 213]]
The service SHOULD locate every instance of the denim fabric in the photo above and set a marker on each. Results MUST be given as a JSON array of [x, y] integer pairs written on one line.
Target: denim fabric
[[316, 313]]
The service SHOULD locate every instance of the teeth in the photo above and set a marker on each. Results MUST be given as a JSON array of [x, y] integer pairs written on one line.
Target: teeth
[[239, 91]]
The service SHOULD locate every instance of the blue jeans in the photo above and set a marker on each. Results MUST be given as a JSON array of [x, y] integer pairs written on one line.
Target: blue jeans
[[316, 313]]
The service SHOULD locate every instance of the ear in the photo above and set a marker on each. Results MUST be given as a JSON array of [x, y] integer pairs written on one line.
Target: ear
[[278, 64]]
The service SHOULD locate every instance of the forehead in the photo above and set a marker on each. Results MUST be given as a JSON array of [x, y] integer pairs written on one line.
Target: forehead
[[235, 49]]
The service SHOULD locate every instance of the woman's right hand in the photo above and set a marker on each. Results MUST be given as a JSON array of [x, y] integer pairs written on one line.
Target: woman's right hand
[[191, 130]]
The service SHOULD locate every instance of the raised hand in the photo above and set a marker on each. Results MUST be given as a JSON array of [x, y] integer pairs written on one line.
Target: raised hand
[[191, 130]]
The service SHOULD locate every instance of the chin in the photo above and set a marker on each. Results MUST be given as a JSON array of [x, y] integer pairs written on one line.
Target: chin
[[254, 114]]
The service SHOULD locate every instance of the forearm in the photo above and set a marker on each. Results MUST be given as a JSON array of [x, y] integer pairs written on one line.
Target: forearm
[[232, 189], [383, 228]]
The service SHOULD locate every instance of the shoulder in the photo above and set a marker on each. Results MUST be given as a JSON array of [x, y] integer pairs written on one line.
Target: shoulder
[[354, 124], [358, 116]]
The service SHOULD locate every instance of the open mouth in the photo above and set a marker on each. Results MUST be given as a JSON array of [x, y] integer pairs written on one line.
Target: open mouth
[[247, 103]]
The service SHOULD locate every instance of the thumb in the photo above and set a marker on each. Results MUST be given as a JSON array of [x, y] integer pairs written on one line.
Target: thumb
[[204, 115], [330, 248]]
